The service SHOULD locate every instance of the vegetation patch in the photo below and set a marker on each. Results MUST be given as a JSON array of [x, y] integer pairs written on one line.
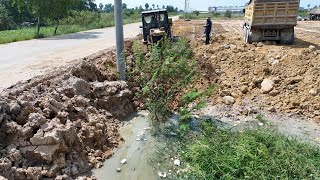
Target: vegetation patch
[[162, 74], [252, 154]]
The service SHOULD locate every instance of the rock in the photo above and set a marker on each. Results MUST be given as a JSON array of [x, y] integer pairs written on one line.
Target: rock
[[244, 89], [225, 46], [15, 109], [233, 47], [74, 170], [99, 165], [274, 92], [229, 100], [162, 174], [34, 172], [177, 162], [62, 177], [274, 62], [42, 138], [260, 44], [267, 85], [268, 43], [2, 178], [313, 92], [271, 109], [225, 93], [312, 47], [123, 161]]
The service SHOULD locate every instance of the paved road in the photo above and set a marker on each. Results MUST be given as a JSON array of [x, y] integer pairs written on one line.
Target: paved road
[[26, 59]]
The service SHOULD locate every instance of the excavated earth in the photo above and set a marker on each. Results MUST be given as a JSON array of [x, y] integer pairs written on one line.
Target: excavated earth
[[62, 125], [267, 76]]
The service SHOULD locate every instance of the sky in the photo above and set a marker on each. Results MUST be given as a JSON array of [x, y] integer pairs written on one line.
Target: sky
[[196, 4]]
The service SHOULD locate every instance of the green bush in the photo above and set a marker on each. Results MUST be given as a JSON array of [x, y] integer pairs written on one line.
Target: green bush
[[169, 68]]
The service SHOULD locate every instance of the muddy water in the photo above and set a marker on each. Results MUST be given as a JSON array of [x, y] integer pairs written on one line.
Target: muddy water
[[138, 147]]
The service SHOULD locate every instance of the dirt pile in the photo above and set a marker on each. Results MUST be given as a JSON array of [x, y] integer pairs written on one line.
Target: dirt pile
[[61, 126], [272, 77]]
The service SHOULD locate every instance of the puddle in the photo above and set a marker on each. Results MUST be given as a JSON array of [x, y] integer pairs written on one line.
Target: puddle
[[136, 152]]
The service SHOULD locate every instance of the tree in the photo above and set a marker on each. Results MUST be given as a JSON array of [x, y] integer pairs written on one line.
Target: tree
[[153, 6], [171, 9], [124, 6], [163, 6], [309, 6], [101, 6], [6, 21], [92, 5], [108, 8], [158, 7], [196, 12], [147, 6], [228, 14], [53, 10], [140, 8]]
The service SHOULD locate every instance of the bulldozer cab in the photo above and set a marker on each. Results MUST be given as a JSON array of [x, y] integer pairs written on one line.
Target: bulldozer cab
[[155, 25]]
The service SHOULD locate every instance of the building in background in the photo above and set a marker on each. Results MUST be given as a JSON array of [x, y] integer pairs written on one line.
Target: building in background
[[314, 14], [223, 9]]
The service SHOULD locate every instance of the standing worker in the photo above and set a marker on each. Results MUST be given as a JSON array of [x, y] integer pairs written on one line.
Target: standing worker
[[208, 27]]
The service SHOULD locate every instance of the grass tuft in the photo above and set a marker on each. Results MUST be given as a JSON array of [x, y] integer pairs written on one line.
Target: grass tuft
[[252, 154]]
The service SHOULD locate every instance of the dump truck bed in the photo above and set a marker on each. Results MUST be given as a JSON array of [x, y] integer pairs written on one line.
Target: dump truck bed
[[272, 13]]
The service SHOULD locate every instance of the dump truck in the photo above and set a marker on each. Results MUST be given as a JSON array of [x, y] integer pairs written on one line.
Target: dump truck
[[271, 20], [156, 25]]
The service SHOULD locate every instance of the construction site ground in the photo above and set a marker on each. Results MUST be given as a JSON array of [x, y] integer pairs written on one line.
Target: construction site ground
[[239, 71], [63, 124]]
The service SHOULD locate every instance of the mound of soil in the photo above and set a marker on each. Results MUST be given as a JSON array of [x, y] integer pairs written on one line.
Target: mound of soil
[[272, 77], [63, 125]]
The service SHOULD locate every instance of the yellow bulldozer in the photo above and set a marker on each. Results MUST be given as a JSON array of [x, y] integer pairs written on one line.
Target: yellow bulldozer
[[271, 20], [156, 25]]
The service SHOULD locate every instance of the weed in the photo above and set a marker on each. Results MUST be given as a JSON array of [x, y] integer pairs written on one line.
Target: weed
[[162, 76], [262, 119], [200, 105], [191, 96], [252, 154]]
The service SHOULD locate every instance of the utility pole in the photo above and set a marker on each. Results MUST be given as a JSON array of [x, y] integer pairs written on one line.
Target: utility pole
[[186, 6], [121, 64]]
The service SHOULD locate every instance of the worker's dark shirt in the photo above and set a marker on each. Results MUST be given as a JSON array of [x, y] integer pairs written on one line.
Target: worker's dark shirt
[[208, 26]]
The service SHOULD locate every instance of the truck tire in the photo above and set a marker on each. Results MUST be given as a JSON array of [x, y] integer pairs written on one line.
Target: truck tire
[[287, 36]]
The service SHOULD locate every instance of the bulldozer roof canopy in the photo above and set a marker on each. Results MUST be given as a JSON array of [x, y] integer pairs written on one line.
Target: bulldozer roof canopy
[[154, 11], [315, 11]]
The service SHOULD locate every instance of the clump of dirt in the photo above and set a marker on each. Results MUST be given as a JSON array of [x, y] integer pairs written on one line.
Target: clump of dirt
[[273, 77], [61, 126]]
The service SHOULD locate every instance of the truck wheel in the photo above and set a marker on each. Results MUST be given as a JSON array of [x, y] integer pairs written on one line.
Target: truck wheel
[[287, 36]]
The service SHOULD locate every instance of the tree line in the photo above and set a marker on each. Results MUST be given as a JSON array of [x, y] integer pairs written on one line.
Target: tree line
[[15, 14]]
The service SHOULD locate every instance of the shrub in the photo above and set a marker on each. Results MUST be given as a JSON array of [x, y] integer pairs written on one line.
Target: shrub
[[228, 14], [169, 69]]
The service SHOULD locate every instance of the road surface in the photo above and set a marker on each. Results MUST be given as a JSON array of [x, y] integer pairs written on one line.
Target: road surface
[[26, 59]]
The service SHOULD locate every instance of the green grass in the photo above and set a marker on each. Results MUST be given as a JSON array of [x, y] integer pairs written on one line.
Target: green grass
[[252, 154], [30, 33]]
